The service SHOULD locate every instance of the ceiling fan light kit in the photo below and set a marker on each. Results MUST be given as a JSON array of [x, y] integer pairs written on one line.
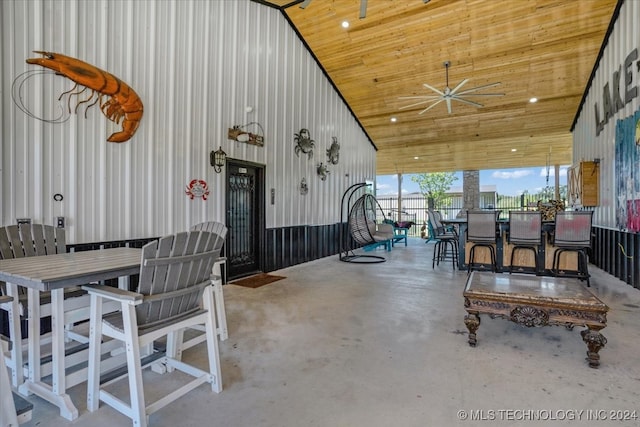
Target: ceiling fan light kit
[[447, 95]]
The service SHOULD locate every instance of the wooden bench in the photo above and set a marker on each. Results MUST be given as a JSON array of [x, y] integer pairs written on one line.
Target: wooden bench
[[536, 301]]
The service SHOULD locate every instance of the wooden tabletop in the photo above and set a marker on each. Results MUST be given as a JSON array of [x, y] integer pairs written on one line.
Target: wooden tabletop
[[48, 272]]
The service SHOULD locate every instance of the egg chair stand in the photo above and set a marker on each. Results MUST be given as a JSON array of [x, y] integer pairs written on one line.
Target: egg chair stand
[[361, 230]]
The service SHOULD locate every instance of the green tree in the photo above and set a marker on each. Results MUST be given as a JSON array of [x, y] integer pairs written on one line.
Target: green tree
[[548, 193], [435, 185]]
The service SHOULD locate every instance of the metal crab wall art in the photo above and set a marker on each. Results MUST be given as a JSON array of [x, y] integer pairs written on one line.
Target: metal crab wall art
[[197, 188], [323, 171], [333, 152], [304, 143]]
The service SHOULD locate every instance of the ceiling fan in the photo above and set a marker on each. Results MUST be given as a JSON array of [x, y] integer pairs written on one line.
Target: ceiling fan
[[449, 94]]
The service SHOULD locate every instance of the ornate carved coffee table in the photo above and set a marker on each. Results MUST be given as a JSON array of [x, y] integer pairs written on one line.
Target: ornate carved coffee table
[[536, 301]]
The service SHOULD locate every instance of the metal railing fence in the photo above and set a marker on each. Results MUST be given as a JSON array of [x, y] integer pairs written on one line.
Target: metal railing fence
[[414, 208]]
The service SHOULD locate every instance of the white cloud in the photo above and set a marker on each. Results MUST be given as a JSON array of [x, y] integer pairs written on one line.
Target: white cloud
[[552, 171], [383, 187], [511, 174]]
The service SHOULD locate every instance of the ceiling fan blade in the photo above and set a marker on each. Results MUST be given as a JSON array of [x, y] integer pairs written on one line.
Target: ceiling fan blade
[[433, 89], [363, 9], [479, 94], [449, 105], [462, 83], [421, 97], [417, 103], [466, 101], [304, 4], [431, 106], [477, 88]]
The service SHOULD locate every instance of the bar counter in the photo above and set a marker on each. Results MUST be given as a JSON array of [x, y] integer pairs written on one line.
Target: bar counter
[[524, 259]]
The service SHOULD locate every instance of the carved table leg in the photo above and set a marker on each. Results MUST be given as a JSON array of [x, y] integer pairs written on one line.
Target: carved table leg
[[595, 341], [472, 320]]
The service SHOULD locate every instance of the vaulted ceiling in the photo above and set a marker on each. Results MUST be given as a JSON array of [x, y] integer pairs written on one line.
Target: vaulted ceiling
[[535, 48]]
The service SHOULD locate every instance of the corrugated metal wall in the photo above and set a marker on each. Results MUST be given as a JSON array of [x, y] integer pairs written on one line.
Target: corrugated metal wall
[[614, 250], [196, 65], [587, 146]]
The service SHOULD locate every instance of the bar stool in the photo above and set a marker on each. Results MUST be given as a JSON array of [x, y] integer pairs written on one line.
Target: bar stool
[[445, 240], [572, 233], [481, 232], [525, 233]]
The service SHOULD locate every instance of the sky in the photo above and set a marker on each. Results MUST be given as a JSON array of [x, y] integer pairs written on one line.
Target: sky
[[508, 182]]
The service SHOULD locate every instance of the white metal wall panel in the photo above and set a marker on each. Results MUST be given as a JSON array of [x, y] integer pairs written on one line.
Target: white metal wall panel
[[196, 65], [586, 145]]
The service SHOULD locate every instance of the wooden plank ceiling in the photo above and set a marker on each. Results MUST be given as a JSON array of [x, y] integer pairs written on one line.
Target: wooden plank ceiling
[[534, 48]]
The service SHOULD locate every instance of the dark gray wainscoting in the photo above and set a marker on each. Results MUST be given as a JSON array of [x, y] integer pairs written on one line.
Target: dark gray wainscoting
[[287, 246], [617, 253]]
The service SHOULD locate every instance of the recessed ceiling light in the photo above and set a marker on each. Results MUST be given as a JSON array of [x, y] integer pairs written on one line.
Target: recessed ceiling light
[[345, 24], [532, 100], [393, 119], [416, 158], [514, 150]]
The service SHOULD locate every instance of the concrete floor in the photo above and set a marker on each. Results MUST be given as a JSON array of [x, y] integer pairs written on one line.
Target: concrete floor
[[339, 344]]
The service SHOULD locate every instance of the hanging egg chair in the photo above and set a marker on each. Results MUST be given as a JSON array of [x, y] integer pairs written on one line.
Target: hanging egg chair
[[362, 226]]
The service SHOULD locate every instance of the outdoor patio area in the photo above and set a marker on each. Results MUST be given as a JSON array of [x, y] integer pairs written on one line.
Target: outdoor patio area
[[343, 344]]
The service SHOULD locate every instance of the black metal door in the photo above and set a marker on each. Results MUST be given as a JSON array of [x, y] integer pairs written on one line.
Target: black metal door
[[244, 218]]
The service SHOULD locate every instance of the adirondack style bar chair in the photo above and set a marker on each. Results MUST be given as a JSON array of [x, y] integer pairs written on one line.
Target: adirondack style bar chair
[[175, 292], [220, 230], [26, 240], [218, 295]]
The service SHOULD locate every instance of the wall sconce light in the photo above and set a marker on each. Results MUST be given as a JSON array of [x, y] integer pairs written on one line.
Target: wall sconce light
[[240, 134], [217, 159]]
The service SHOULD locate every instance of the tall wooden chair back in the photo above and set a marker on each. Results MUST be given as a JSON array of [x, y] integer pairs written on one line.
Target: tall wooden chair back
[[220, 230], [174, 292], [215, 227], [25, 240], [173, 274]]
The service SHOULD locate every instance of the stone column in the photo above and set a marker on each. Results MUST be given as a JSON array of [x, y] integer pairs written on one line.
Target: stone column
[[470, 190]]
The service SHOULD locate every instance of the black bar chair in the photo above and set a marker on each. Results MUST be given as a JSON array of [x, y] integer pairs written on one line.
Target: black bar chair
[[572, 233], [445, 240], [525, 233], [482, 233]]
